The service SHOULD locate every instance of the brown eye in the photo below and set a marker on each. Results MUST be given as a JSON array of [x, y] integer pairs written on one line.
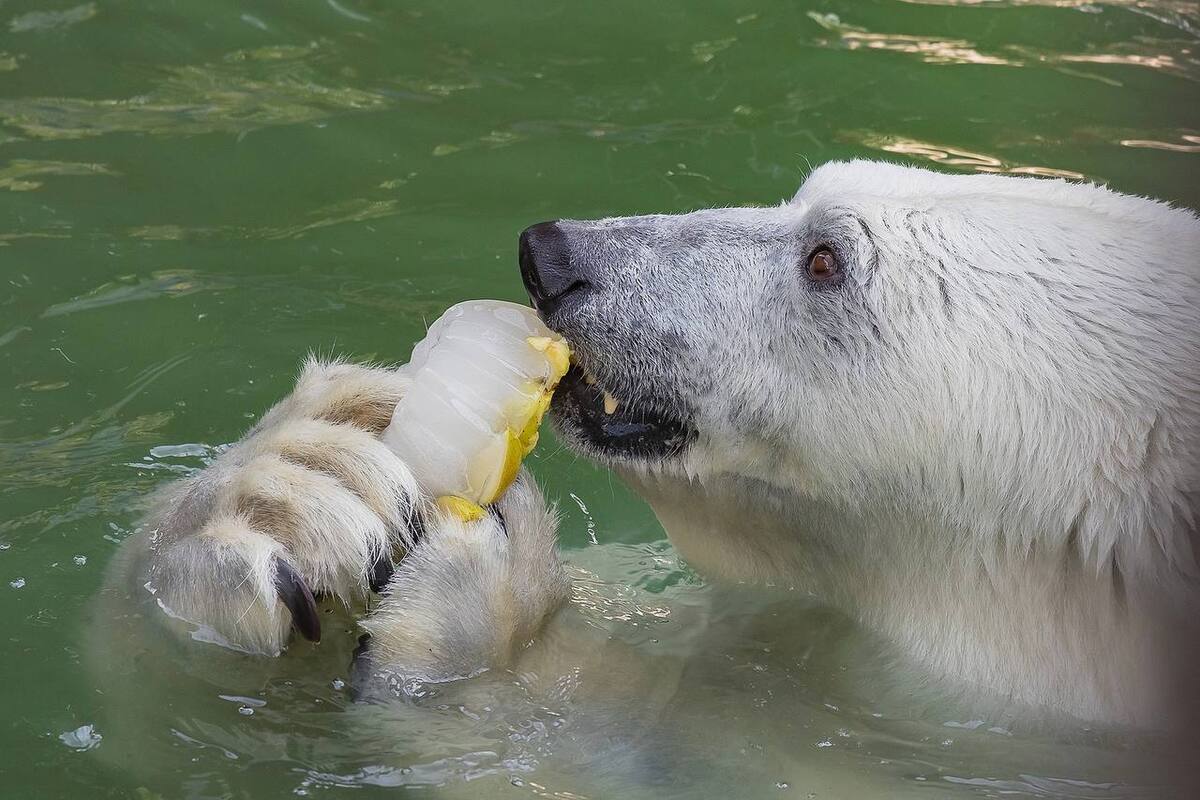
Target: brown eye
[[822, 265]]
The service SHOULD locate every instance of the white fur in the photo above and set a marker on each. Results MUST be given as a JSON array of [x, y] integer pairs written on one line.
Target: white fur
[[310, 484], [473, 594], [985, 444]]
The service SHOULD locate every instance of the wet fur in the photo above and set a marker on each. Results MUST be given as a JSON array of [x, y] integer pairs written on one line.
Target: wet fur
[[985, 442], [312, 485]]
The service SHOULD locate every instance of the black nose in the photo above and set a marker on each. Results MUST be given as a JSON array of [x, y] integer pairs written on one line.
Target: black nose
[[546, 269]]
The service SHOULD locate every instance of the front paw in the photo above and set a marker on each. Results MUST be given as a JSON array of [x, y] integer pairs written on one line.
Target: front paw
[[311, 503], [471, 594]]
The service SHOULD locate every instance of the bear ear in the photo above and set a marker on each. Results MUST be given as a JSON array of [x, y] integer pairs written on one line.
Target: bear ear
[[294, 593]]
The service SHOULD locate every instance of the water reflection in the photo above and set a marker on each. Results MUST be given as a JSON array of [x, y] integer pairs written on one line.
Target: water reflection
[[440, 772], [162, 283], [20, 174], [931, 49], [1181, 13], [49, 20], [958, 157], [1147, 54], [246, 91], [1176, 57], [1036, 786], [85, 446], [357, 209], [1190, 144], [432, 115]]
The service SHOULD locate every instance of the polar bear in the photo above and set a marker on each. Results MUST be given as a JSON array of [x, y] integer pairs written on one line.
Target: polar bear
[[963, 409]]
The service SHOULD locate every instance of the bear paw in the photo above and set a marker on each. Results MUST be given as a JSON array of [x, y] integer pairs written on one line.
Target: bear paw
[[309, 503]]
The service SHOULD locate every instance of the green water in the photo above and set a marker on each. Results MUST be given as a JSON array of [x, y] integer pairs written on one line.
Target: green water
[[194, 194]]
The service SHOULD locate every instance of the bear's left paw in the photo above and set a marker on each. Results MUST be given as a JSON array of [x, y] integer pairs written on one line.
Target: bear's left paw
[[310, 502]]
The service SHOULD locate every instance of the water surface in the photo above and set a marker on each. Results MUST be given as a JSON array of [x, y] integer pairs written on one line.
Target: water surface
[[195, 194]]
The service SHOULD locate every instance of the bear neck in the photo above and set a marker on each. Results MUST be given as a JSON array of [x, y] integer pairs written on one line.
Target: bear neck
[[1037, 626]]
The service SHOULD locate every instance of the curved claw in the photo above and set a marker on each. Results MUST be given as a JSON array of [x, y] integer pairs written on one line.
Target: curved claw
[[360, 668], [295, 594]]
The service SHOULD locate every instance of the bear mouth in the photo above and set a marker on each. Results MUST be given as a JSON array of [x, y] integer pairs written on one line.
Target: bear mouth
[[634, 426]]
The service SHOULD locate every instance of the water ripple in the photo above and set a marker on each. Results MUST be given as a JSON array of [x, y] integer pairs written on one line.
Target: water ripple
[[956, 157], [50, 20], [1175, 57], [931, 49], [1181, 14], [1190, 144], [163, 283], [349, 211], [88, 445], [18, 175], [245, 91]]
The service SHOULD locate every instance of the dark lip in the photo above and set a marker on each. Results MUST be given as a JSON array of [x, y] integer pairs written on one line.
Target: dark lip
[[638, 430], [547, 307]]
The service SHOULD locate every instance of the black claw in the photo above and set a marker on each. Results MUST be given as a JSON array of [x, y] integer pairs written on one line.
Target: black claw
[[381, 572], [416, 525], [360, 668], [499, 515], [295, 594]]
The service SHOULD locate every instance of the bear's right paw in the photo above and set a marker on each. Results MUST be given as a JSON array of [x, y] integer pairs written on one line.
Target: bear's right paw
[[472, 595]]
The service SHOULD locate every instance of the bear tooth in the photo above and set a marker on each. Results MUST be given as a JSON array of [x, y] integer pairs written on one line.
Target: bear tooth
[[610, 404], [589, 379]]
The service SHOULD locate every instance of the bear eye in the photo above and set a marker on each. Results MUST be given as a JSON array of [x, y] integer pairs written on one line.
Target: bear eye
[[823, 265]]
